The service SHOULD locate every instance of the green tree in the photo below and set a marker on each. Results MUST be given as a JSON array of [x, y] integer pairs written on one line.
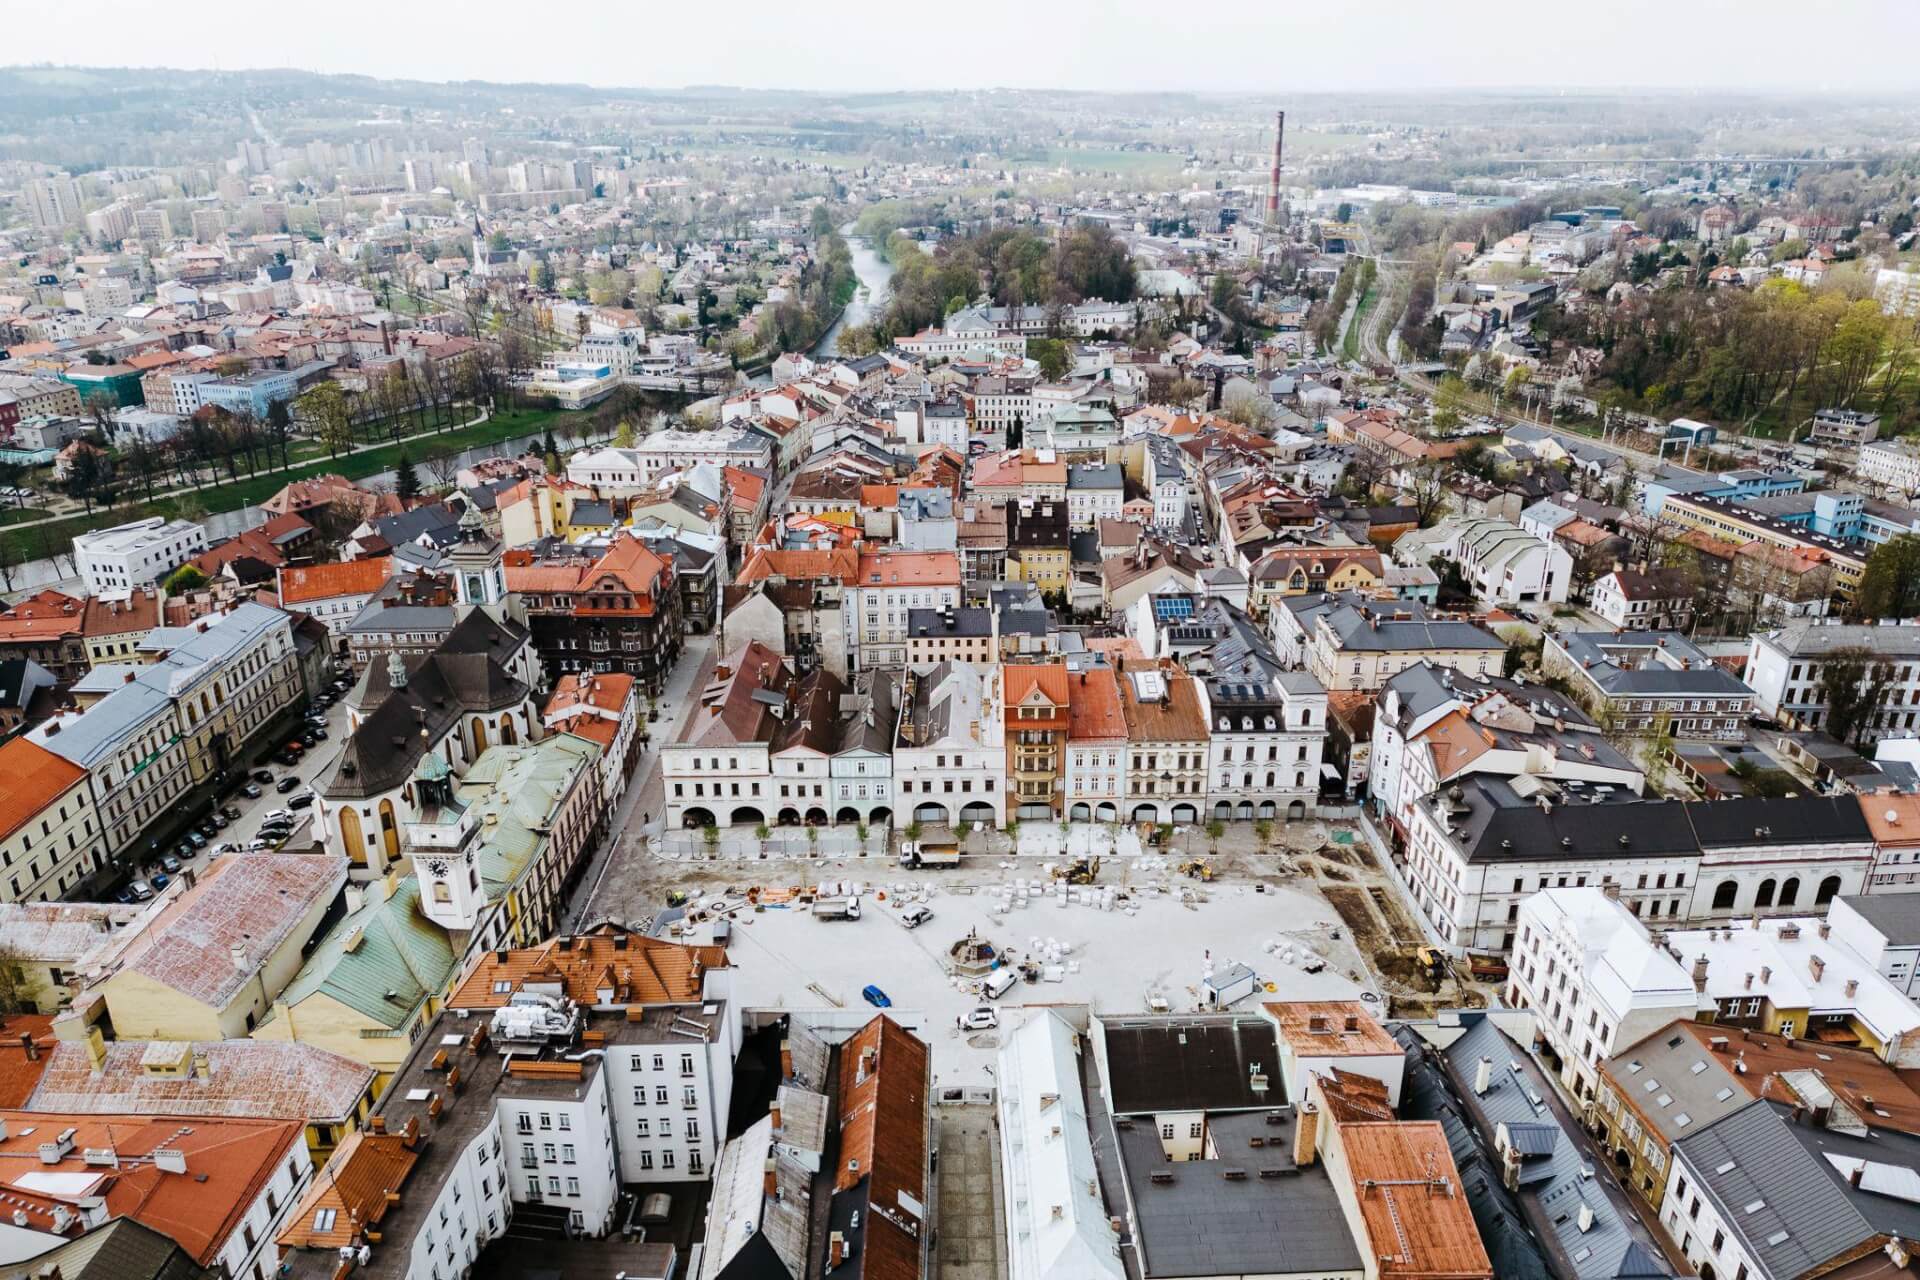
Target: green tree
[[1890, 586], [623, 437], [1853, 683], [186, 578], [1449, 405], [1215, 829], [90, 477], [821, 222], [1051, 355], [406, 481]]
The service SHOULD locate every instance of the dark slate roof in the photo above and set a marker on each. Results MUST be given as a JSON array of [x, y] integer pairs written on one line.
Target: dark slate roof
[[598, 514], [121, 1249], [1774, 1191], [1788, 820], [1567, 1177], [1511, 1246], [1191, 1063], [441, 687], [1494, 823], [435, 521], [19, 678]]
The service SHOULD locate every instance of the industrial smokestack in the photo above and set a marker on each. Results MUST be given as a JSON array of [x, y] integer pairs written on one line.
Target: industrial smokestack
[[1273, 187]]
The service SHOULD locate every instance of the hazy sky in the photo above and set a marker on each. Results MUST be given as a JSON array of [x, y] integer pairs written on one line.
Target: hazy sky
[[1267, 46]]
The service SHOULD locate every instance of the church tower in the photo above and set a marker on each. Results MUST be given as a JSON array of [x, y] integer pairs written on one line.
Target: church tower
[[479, 573]]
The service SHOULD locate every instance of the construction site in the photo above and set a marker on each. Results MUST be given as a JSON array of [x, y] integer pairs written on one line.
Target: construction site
[[1190, 925]]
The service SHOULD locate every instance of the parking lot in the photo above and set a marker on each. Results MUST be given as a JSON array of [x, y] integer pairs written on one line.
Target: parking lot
[[1117, 961], [313, 767]]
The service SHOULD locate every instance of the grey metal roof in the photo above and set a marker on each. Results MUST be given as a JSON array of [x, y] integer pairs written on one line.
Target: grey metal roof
[[1198, 1222], [1771, 1191], [1806, 640], [1897, 915]]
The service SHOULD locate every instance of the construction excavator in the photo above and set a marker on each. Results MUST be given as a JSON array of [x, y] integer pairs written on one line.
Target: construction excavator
[[1197, 869], [1079, 871]]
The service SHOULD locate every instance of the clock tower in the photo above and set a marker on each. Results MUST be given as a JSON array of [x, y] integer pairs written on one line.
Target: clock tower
[[479, 575]]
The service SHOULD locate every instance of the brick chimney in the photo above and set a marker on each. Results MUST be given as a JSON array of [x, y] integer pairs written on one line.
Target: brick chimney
[[1304, 1133]]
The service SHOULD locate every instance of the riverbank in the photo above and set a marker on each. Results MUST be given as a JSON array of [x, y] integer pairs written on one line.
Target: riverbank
[[55, 537]]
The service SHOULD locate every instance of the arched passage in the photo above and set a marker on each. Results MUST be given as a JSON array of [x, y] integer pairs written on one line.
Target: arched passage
[[788, 818], [816, 817], [1829, 888], [930, 812], [846, 813], [1725, 894], [1105, 812], [747, 815], [1145, 813], [1222, 810], [1244, 811], [1185, 813], [1763, 897], [1790, 891], [880, 817], [695, 818], [1296, 810], [1081, 812], [1268, 809]]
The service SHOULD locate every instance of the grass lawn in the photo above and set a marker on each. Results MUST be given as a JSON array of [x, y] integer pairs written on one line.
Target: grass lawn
[[31, 543], [1090, 160]]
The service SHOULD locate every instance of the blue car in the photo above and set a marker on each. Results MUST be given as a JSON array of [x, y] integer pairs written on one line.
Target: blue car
[[876, 997]]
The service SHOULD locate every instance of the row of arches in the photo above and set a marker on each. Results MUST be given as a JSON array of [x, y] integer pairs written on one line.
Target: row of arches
[[747, 815], [1773, 893]]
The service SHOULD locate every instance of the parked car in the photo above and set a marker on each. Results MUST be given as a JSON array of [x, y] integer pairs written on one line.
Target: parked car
[[251, 792], [262, 775], [319, 734], [231, 812], [286, 759], [259, 844], [141, 890], [302, 801], [876, 997], [286, 784], [206, 828], [983, 1018], [277, 815], [170, 863], [219, 821], [222, 847], [197, 840], [161, 882]]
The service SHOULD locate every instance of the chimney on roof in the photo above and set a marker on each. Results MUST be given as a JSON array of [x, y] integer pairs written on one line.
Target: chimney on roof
[[1483, 1077], [1304, 1134], [33, 1050], [1816, 966], [1700, 973]]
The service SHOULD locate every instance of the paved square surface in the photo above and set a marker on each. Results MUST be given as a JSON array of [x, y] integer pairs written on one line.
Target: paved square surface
[[971, 1218]]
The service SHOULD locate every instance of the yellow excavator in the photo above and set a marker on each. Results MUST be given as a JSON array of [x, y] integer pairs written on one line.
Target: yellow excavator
[[1197, 869], [1079, 871]]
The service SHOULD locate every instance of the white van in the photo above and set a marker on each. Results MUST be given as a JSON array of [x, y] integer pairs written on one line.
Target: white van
[[915, 916], [998, 983]]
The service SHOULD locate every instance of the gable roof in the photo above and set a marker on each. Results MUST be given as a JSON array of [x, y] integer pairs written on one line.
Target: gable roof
[[635, 968]]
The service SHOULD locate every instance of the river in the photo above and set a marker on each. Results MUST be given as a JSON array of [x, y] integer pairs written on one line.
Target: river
[[876, 276]]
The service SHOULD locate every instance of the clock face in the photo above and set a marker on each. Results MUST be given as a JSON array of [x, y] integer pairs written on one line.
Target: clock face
[[437, 866]]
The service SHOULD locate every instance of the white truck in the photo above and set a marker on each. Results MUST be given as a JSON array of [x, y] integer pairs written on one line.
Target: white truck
[[837, 908], [915, 854]]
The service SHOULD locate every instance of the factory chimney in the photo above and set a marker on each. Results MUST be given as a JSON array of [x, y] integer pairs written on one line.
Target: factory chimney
[[1273, 187]]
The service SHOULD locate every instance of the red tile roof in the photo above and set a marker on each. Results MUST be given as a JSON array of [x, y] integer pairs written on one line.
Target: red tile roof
[[884, 1087], [35, 778], [306, 583], [229, 1163]]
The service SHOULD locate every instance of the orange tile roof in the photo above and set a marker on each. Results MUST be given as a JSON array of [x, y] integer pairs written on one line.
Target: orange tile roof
[[1414, 1230], [1320, 1028], [229, 1163], [907, 569], [355, 1184], [1894, 818], [1096, 706], [1178, 719], [43, 616], [20, 1070], [884, 1088], [35, 779], [1022, 678], [638, 969], [329, 581], [840, 565], [745, 486], [883, 497], [579, 691]]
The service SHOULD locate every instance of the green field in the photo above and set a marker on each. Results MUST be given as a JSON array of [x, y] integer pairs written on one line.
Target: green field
[[1090, 160], [33, 542]]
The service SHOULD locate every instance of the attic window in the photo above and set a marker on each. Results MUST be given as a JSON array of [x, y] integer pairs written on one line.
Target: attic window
[[1674, 1043], [1696, 1068], [1778, 1237], [1756, 1206], [1724, 1168], [1723, 1095], [1633, 1068], [323, 1219], [1650, 1085], [501, 987], [1682, 1120]]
